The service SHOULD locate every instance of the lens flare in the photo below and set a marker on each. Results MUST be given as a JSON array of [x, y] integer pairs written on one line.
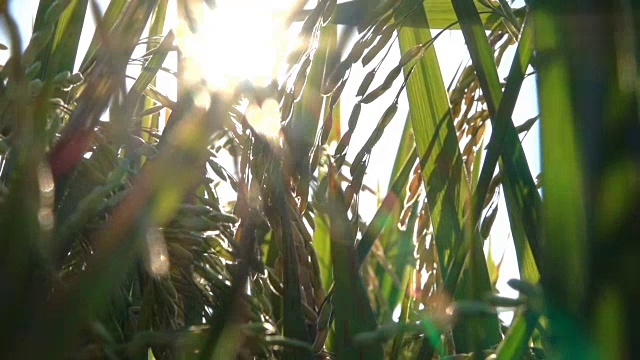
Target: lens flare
[[265, 119]]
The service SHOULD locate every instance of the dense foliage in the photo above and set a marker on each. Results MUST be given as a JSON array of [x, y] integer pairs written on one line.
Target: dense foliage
[[117, 240]]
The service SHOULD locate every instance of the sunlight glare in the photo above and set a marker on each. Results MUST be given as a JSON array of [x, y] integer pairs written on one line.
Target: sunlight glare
[[238, 40], [266, 119]]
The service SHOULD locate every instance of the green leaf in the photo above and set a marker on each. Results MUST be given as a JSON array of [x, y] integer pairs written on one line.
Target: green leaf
[[109, 18], [401, 259], [440, 13], [396, 348], [322, 245], [446, 185], [103, 80], [382, 216], [398, 256], [498, 144], [435, 141], [147, 75], [303, 127], [353, 312], [518, 181], [293, 316], [61, 54], [28, 192], [151, 122], [516, 340], [564, 210], [589, 111]]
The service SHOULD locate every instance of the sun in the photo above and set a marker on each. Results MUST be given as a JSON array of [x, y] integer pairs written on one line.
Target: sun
[[238, 40]]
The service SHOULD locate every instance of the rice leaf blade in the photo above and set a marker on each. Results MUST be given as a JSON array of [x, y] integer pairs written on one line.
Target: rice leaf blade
[[353, 312], [518, 181], [446, 186]]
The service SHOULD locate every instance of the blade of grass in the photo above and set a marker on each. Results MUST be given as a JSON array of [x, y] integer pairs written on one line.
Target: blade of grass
[[147, 75], [435, 139], [383, 215], [516, 341], [321, 242], [105, 78], [40, 21], [402, 261], [391, 234], [518, 181], [294, 325], [498, 144], [440, 13], [588, 98], [301, 136], [151, 122], [396, 348], [61, 55], [109, 18], [446, 185], [353, 312], [380, 221], [23, 280]]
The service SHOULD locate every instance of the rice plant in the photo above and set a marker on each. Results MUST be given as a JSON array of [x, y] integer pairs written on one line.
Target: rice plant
[[224, 220]]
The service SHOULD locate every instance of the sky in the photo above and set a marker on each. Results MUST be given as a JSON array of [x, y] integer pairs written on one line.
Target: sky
[[451, 51]]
